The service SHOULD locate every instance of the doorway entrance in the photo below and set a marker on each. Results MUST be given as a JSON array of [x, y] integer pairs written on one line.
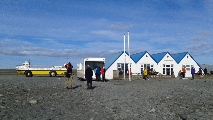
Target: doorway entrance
[[168, 69]]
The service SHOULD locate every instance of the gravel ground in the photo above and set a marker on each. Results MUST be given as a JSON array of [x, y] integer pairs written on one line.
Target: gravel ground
[[45, 98]]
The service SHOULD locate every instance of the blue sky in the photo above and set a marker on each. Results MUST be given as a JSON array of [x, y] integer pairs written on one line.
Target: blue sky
[[54, 32]]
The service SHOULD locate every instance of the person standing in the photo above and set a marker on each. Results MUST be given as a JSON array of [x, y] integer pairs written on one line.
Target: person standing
[[103, 74], [193, 72], [88, 75], [145, 74], [200, 71], [184, 71], [96, 77], [98, 73], [69, 75], [205, 71], [180, 74]]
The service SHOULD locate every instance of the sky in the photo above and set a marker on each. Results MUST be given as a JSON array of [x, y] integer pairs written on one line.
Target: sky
[[55, 32]]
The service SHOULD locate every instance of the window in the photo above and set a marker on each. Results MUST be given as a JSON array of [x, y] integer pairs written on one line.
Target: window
[[168, 69], [172, 72], [147, 66], [120, 66], [187, 65], [163, 70]]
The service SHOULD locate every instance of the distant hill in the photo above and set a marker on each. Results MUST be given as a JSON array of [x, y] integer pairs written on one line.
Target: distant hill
[[8, 72], [208, 67]]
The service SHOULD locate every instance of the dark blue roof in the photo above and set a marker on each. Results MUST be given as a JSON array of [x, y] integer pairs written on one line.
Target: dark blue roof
[[159, 56], [112, 58], [179, 56], [137, 56]]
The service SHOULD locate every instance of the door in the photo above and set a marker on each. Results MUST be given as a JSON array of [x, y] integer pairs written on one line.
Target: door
[[168, 69], [188, 70]]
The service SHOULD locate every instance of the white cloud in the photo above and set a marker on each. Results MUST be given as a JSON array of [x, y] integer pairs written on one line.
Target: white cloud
[[121, 26], [107, 34]]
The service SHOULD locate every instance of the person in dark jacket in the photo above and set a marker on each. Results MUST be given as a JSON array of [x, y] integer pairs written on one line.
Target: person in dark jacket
[[200, 71], [98, 73], [88, 75], [193, 73], [69, 75], [205, 71]]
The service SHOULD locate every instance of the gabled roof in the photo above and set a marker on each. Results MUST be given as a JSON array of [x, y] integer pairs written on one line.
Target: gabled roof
[[137, 56], [159, 56], [179, 56], [112, 58]]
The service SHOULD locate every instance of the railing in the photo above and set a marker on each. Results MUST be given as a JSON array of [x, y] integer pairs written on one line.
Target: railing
[[161, 76], [139, 77], [208, 76]]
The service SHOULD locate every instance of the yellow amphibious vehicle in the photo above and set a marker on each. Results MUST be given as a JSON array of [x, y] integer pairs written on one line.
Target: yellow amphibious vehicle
[[28, 70]]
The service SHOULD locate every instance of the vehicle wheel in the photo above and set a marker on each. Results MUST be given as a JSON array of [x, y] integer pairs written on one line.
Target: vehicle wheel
[[28, 74], [52, 73]]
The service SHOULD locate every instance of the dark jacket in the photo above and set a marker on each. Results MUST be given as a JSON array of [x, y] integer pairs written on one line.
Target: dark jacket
[[88, 73], [205, 71], [192, 70], [69, 71], [98, 71]]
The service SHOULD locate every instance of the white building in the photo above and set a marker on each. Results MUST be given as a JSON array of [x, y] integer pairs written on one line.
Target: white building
[[165, 63], [142, 60], [116, 62], [185, 59]]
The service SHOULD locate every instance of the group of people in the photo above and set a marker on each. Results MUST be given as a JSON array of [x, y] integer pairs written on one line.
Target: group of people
[[199, 72], [88, 75], [101, 71], [144, 73], [193, 72], [182, 72], [98, 72]]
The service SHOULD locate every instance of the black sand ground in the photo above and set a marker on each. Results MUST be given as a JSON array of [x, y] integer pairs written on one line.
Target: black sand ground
[[45, 98]]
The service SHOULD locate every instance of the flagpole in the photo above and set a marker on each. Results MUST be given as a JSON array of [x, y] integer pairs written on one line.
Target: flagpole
[[124, 71], [129, 71]]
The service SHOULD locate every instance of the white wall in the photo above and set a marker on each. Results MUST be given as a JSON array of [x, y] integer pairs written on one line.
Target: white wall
[[109, 72], [167, 61], [145, 60], [188, 61], [136, 67]]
